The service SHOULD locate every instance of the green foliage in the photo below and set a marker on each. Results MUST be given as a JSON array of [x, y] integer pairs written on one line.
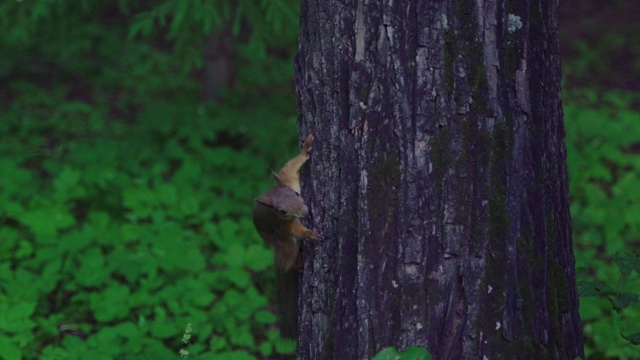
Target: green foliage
[[129, 234], [124, 200], [412, 353], [122, 43], [601, 47], [619, 300], [604, 166]]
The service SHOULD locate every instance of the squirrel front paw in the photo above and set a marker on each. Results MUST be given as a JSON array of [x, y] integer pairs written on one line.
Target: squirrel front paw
[[312, 235], [307, 146]]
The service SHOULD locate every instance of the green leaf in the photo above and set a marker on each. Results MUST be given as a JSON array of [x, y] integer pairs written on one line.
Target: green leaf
[[164, 329], [168, 194], [133, 263], [155, 349], [93, 269], [24, 249], [258, 257], [67, 180], [218, 343], [633, 338], [127, 330], [47, 220], [52, 352], [201, 297], [273, 335], [49, 325], [233, 257], [390, 353], [242, 337], [587, 288], [622, 300], [16, 318], [591, 308], [416, 353], [627, 262], [238, 277], [236, 355], [9, 238], [285, 346], [412, 353], [9, 350], [111, 304], [50, 275], [265, 317], [265, 348]]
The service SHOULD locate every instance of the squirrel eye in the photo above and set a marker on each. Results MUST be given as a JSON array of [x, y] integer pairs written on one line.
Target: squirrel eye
[[283, 212]]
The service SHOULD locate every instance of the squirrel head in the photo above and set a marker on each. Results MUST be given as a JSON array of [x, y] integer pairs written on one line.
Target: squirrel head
[[287, 203]]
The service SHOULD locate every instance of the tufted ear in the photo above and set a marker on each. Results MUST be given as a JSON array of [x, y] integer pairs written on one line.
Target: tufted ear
[[277, 178], [265, 200]]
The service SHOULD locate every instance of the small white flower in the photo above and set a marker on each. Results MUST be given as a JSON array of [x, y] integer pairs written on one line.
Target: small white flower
[[184, 353], [187, 334]]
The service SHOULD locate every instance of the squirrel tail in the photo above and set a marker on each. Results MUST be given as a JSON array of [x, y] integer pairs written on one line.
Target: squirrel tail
[[287, 296]]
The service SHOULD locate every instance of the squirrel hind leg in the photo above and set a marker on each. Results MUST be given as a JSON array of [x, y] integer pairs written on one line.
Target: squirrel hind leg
[[288, 175]]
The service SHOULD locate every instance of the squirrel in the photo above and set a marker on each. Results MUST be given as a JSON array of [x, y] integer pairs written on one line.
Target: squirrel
[[276, 217], [277, 213]]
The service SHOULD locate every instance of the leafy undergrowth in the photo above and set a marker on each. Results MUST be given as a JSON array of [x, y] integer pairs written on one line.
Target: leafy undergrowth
[[603, 154], [116, 236], [411, 353]]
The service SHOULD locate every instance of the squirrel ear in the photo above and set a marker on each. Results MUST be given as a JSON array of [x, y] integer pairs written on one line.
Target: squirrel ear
[[275, 176], [265, 200]]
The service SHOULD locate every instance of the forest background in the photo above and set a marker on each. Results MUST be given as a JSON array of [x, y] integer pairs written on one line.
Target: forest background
[[126, 185]]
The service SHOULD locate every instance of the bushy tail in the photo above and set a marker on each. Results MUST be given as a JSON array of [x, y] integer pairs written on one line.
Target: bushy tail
[[287, 296]]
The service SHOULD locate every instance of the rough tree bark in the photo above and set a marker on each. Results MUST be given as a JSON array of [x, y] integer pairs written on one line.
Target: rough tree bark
[[438, 180]]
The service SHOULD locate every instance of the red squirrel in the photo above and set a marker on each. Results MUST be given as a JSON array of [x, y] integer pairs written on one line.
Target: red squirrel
[[276, 216], [277, 213]]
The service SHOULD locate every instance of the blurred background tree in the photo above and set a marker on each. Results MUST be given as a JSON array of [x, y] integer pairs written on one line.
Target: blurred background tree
[[135, 134]]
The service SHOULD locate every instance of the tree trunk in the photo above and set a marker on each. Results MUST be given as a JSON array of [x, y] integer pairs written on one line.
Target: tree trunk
[[219, 63], [438, 181]]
